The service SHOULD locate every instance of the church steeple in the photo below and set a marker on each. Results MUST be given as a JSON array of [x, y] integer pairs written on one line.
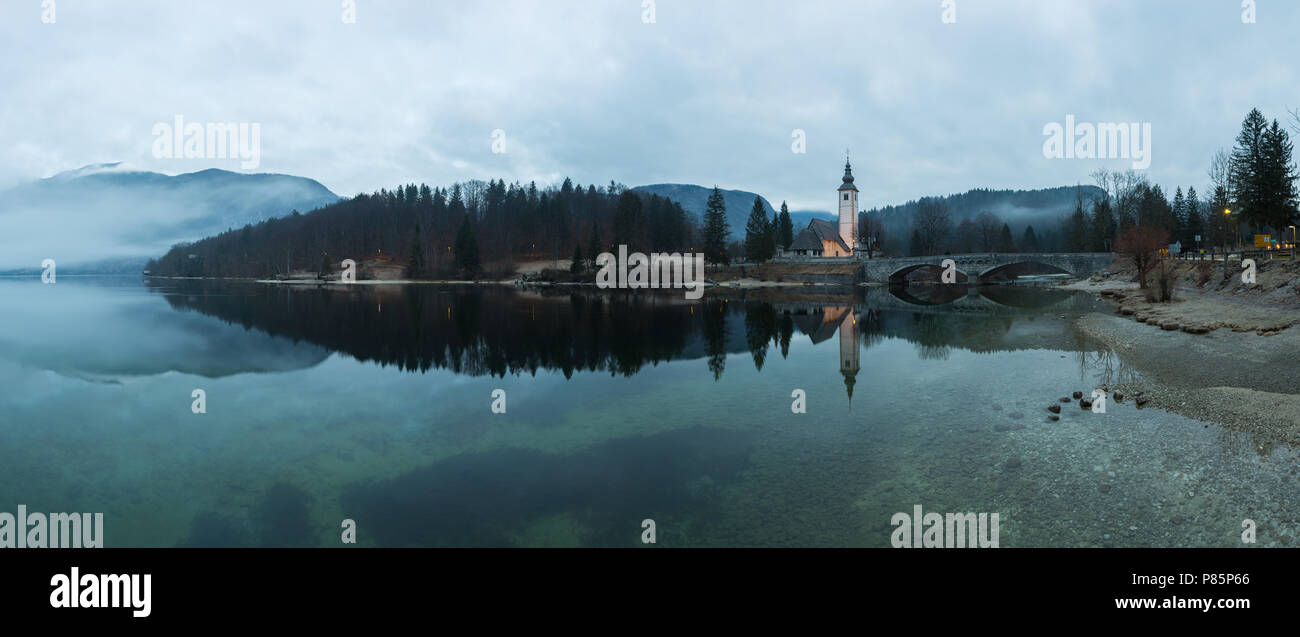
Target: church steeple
[[848, 174], [848, 207]]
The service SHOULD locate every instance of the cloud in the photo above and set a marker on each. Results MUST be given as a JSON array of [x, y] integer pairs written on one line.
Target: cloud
[[709, 93]]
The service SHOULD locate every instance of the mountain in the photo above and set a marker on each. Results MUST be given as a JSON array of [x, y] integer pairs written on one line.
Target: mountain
[[695, 198], [801, 218], [1044, 209], [104, 217]]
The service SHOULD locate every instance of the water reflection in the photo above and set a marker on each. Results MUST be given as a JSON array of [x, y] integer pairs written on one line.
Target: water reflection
[[496, 331]]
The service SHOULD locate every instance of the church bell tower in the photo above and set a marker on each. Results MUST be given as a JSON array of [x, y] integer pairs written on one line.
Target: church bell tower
[[848, 207]]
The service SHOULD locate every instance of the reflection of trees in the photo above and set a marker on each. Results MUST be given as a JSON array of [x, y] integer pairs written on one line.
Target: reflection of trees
[[760, 329], [496, 331], [933, 333], [715, 336], [787, 331]]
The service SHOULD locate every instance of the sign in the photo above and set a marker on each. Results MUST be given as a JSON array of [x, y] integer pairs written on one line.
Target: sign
[[1198, 237], [1263, 240]]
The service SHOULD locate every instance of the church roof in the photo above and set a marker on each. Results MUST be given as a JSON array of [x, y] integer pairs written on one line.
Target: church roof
[[818, 230]]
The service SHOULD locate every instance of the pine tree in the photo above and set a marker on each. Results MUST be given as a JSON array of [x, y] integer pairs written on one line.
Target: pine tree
[[1029, 240], [756, 233], [1076, 229], [1195, 222], [415, 266], [1277, 179], [715, 228], [1101, 228], [575, 267], [1247, 169], [467, 259], [593, 246], [785, 227], [1005, 243]]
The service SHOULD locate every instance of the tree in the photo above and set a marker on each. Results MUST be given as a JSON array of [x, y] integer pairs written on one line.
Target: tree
[[576, 266], [1194, 221], [629, 221], [986, 231], [326, 268], [467, 258], [785, 228], [593, 247], [1005, 243], [1029, 240], [1142, 244], [1246, 169], [1101, 228], [757, 234], [1075, 228], [871, 232], [931, 227], [715, 228], [1277, 179], [415, 265]]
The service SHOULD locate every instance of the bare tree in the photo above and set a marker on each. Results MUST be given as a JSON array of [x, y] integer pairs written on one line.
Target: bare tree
[[931, 226], [987, 226]]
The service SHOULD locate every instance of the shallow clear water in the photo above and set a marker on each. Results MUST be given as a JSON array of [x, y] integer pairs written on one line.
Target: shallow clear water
[[374, 404]]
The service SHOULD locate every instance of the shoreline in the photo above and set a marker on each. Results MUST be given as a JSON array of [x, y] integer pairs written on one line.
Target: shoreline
[[1216, 355]]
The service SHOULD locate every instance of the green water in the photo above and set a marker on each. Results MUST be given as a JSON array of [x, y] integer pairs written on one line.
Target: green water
[[374, 404]]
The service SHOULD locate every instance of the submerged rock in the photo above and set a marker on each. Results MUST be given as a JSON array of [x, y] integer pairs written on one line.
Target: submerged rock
[[1056, 409], [1078, 395]]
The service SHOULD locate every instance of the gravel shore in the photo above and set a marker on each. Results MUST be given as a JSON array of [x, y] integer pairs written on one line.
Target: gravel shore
[[1240, 380]]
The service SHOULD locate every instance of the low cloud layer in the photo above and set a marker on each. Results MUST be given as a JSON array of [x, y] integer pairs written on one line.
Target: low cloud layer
[[710, 92]]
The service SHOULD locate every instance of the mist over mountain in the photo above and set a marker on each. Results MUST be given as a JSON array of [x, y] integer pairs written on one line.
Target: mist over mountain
[[695, 198], [1044, 209], [105, 218]]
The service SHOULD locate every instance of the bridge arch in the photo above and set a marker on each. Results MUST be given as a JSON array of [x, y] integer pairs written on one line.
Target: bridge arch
[[899, 275], [1027, 261]]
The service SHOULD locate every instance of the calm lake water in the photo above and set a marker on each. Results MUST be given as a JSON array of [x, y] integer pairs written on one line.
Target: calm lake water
[[374, 404]]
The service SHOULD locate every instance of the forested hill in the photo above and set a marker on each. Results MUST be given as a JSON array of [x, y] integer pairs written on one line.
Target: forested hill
[[1043, 209], [694, 199], [472, 226]]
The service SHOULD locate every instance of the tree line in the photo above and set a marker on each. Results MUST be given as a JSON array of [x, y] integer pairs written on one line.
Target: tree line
[[1252, 190], [463, 230]]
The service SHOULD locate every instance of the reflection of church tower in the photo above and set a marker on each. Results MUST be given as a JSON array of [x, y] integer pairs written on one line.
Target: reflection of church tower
[[849, 351]]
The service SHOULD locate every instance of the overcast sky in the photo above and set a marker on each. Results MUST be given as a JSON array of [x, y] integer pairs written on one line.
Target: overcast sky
[[709, 92]]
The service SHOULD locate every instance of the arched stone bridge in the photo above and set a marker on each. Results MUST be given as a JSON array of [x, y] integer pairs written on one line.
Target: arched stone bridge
[[975, 267]]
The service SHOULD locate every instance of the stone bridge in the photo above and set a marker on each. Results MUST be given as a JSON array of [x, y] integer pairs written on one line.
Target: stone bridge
[[974, 267]]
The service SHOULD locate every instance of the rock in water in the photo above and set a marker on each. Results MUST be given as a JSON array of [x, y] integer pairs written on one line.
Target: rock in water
[[1119, 397], [1078, 395], [1085, 403]]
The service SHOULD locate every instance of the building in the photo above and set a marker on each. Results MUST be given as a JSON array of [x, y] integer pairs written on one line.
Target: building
[[828, 238]]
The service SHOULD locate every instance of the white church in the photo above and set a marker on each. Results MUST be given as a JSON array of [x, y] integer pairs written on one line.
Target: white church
[[826, 238]]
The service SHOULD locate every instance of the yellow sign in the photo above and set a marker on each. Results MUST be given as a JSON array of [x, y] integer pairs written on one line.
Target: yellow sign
[[1263, 240]]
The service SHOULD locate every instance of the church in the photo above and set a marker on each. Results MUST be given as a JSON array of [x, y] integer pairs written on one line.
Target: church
[[827, 238]]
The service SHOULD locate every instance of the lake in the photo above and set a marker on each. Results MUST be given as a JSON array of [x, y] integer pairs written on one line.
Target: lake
[[375, 404]]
